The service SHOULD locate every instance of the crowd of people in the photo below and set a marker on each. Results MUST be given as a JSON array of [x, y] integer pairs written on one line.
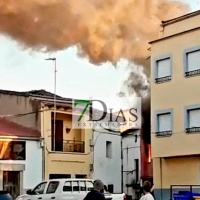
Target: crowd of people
[[99, 189]]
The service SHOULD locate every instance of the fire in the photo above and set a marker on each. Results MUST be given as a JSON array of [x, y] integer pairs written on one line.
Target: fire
[[149, 153]]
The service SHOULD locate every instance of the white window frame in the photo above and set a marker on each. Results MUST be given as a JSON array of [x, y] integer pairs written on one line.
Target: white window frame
[[186, 118], [156, 61], [156, 121], [188, 73]]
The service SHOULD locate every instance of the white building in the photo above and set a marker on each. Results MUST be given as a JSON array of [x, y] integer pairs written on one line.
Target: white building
[[20, 158], [131, 163], [107, 158]]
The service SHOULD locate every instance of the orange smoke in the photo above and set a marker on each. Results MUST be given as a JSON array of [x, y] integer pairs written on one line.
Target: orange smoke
[[103, 30]]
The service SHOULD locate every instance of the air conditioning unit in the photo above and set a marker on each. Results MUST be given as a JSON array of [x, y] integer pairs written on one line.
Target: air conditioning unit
[[91, 167]]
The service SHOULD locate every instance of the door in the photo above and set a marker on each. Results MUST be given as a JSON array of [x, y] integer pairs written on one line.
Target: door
[[58, 135], [11, 182], [51, 193]]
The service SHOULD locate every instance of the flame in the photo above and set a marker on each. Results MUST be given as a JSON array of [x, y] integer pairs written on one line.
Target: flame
[[149, 153]]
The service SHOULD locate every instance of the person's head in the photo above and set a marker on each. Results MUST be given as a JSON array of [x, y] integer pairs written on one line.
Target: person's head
[[98, 185], [147, 187]]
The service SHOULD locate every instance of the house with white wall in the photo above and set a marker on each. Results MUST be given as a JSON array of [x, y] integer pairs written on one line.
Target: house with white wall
[[107, 161], [20, 157], [107, 158], [131, 163]]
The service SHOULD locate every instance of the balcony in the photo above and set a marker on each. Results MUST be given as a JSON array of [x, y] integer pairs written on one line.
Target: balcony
[[73, 146], [163, 79]]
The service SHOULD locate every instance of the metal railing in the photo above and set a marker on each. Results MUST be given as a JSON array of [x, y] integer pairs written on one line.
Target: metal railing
[[73, 146]]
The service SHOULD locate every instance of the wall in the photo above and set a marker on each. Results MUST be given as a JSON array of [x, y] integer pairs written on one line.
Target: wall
[[13, 105], [131, 151], [176, 94], [33, 165], [185, 171], [64, 162], [184, 168], [107, 169], [67, 123], [189, 23]]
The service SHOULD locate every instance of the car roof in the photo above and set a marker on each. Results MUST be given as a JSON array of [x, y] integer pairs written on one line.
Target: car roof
[[70, 179]]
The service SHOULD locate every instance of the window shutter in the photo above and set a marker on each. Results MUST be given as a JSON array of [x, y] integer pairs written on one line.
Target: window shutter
[[164, 122], [163, 68], [193, 60], [194, 118]]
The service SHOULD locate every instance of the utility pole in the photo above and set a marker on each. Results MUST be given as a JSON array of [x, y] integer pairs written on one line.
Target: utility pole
[[54, 118]]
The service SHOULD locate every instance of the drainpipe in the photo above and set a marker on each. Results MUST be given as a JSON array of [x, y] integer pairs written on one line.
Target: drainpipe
[[122, 168], [43, 148], [161, 193]]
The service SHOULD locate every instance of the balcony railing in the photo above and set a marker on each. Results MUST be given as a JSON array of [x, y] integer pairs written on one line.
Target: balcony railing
[[193, 130], [164, 134], [192, 73], [163, 79], [73, 146]]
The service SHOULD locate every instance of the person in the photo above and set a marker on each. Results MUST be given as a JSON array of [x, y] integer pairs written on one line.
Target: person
[[104, 190], [152, 191], [147, 191], [96, 192]]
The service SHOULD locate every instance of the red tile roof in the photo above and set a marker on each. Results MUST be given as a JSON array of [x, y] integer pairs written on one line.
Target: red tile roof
[[8, 128]]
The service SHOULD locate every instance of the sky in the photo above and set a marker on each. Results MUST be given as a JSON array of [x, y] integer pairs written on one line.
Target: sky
[[23, 70]]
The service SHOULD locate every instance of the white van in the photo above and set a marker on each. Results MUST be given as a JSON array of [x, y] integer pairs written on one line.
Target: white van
[[64, 189]]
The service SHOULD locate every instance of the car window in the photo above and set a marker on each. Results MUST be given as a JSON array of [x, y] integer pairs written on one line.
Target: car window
[[67, 186], [52, 187], [75, 186], [39, 189], [89, 185], [82, 185]]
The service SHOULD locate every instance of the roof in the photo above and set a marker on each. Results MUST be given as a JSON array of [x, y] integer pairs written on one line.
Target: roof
[[183, 17], [11, 129], [33, 93]]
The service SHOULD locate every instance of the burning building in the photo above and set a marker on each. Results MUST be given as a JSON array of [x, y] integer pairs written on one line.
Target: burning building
[[102, 30]]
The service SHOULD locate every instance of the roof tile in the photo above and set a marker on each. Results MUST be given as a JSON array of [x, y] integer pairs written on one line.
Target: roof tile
[[8, 128]]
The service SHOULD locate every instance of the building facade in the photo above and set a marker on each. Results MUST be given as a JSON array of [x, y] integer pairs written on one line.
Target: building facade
[[106, 157], [66, 151], [175, 104], [131, 162], [19, 147]]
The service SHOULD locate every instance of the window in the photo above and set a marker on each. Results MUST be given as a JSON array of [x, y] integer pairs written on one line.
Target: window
[[67, 186], [58, 176], [75, 186], [82, 185], [192, 61], [89, 185], [39, 189], [13, 150], [192, 119], [164, 122], [80, 176], [108, 149], [137, 170], [163, 69], [52, 187], [111, 188]]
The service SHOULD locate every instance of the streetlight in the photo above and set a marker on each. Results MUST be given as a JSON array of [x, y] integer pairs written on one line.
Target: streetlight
[[54, 119]]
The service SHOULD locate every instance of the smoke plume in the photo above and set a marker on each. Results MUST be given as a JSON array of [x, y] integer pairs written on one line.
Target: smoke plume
[[103, 30]]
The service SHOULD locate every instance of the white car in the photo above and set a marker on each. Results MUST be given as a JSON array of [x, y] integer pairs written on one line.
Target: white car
[[64, 189]]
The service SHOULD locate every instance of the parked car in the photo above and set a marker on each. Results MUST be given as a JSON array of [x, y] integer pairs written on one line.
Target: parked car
[[4, 195], [57, 189]]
